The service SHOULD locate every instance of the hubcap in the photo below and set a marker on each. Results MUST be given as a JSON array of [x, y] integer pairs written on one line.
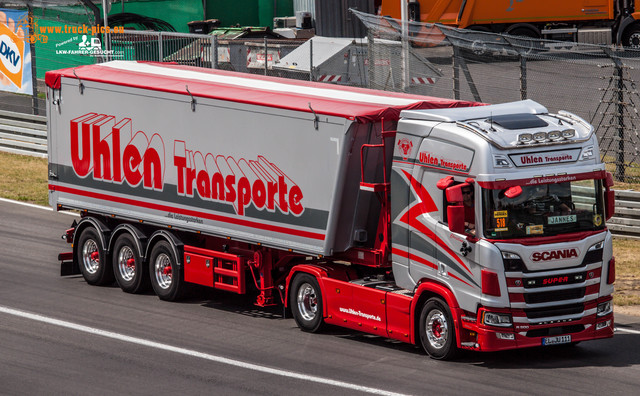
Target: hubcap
[[163, 271], [90, 256], [126, 264], [307, 302], [634, 41], [437, 329]]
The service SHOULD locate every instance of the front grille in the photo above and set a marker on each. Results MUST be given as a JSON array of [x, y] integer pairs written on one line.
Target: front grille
[[558, 295], [535, 313], [554, 331]]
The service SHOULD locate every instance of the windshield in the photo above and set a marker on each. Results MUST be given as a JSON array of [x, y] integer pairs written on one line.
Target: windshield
[[543, 210]]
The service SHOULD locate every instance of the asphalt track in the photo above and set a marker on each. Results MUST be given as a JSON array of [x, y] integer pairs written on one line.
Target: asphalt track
[[59, 335]]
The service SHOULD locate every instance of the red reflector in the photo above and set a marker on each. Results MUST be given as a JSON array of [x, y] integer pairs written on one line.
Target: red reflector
[[611, 276], [490, 284]]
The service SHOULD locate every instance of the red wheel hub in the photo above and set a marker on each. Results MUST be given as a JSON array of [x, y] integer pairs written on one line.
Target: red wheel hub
[[131, 263], [95, 256], [166, 270], [437, 329]]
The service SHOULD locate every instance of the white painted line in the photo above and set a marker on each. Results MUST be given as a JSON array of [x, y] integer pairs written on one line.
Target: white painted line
[[30, 205], [192, 353], [627, 330]]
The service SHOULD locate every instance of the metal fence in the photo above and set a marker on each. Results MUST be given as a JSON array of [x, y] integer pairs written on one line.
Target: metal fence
[[598, 83]]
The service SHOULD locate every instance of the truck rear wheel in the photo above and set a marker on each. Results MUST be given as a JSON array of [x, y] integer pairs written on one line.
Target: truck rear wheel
[[166, 276], [437, 333], [93, 264], [130, 273], [306, 303]]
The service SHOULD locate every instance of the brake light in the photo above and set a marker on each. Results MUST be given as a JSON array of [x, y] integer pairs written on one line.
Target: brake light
[[490, 284], [611, 276]]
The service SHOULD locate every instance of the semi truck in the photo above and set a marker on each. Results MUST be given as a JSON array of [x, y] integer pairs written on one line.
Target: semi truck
[[447, 224], [585, 21]]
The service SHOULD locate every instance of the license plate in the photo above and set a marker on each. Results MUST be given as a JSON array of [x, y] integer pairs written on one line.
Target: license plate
[[565, 339]]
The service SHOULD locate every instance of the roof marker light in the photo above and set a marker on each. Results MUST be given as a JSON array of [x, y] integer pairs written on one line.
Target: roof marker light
[[554, 135], [568, 133], [539, 136], [525, 138]]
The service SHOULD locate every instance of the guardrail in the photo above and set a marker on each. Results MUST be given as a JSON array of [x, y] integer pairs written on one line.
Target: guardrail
[[625, 223], [24, 134], [27, 134]]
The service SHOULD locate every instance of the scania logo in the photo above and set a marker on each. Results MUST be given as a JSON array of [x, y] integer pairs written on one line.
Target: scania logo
[[555, 255]]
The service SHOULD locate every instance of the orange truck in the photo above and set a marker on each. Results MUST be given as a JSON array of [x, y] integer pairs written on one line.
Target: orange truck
[[586, 21]]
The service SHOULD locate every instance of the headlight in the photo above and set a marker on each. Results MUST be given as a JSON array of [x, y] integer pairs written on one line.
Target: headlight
[[587, 153], [604, 308], [496, 319], [512, 262]]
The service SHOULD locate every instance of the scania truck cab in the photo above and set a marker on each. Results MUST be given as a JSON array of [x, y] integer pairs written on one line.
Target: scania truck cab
[[537, 268]]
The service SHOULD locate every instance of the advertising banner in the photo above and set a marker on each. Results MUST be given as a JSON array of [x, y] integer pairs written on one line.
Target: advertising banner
[[15, 54]]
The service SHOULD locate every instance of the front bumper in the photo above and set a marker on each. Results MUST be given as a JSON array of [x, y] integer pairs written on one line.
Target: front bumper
[[479, 337]]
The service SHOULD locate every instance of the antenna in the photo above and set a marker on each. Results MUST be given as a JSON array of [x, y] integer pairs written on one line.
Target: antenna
[[491, 128]]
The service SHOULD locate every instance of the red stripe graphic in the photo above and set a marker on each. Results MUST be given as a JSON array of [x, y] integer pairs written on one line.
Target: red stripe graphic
[[425, 204], [188, 212], [428, 263]]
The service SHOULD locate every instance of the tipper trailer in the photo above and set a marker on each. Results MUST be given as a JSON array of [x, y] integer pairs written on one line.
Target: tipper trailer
[[444, 223]]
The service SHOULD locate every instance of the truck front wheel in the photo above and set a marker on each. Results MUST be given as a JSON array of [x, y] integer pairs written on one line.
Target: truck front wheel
[[166, 277], [437, 333], [94, 266], [631, 37], [129, 272], [306, 303]]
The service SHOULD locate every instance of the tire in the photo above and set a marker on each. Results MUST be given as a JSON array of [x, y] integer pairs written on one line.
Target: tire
[[437, 333], [131, 274], [166, 276], [631, 37], [92, 260], [306, 303]]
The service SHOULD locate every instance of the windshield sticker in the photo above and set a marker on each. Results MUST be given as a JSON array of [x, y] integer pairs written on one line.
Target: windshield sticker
[[500, 213], [597, 220], [562, 219], [501, 222], [501, 230], [535, 229]]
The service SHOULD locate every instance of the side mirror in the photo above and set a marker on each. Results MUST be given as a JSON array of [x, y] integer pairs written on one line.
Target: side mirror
[[455, 216], [445, 182], [610, 203], [454, 193], [608, 181], [609, 197]]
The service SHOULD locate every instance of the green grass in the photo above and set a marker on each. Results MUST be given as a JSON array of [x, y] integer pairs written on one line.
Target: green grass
[[23, 178]]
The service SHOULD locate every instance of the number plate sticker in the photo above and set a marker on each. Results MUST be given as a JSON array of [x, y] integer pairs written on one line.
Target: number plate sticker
[[565, 339]]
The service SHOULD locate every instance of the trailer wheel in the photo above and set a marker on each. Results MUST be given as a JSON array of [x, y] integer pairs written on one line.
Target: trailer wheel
[[437, 333], [130, 273], [306, 303], [166, 276], [94, 266]]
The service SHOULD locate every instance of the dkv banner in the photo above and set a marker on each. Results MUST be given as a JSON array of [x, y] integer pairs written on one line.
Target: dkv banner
[[15, 54]]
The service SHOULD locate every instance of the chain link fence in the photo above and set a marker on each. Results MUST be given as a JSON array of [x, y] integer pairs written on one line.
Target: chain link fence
[[598, 83]]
